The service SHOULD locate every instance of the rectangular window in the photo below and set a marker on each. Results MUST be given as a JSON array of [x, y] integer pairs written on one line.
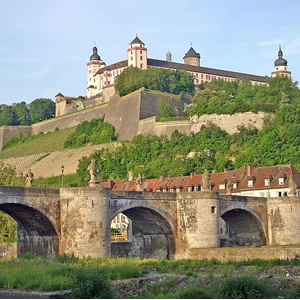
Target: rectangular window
[[190, 189], [250, 183], [164, 190], [178, 190], [213, 209], [171, 190], [141, 52], [281, 180], [141, 57], [141, 66], [234, 185], [131, 58], [267, 182], [157, 191], [222, 186]]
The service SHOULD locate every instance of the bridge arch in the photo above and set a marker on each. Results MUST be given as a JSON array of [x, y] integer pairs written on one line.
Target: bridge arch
[[245, 226], [37, 232], [152, 236]]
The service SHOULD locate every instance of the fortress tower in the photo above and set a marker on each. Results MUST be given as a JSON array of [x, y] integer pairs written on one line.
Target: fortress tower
[[137, 54], [93, 66], [280, 65], [192, 58]]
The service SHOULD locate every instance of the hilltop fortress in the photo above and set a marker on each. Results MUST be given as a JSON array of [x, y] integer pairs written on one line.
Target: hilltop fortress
[[136, 113]]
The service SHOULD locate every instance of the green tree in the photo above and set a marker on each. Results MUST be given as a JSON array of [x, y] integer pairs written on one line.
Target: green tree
[[7, 115], [165, 109], [41, 109], [22, 112]]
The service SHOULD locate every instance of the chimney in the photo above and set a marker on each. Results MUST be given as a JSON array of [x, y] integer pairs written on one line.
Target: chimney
[[249, 170], [111, 184], [192, 174], [225, 170]]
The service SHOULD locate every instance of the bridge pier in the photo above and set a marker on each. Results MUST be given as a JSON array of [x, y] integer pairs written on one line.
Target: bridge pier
[[85, 222], [198, 222]]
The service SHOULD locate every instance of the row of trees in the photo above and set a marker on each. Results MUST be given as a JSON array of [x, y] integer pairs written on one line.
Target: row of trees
[[164, 80], [222, 97], [25, 114]]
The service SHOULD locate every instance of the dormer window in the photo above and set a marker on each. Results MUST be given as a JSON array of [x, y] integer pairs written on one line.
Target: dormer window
[[222, 186], [196, 189], [178, 190], [157, 191], [164, 190], [281, 180], [190, 189], [250, 183], [171, 190], [234, 186], [267, 181]]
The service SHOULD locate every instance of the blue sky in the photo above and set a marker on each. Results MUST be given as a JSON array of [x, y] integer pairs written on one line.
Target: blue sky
[[45, 45]]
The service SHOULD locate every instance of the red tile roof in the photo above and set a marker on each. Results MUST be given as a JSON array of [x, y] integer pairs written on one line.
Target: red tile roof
[[239, 177]]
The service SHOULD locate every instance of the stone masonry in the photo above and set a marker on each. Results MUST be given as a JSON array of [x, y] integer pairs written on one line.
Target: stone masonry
[[165, 225]]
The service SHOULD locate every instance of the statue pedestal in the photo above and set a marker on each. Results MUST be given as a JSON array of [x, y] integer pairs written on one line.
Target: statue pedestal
[[93, 183]]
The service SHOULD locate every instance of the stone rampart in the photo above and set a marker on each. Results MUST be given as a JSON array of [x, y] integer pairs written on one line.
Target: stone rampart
[[135, 114], [229, 123]]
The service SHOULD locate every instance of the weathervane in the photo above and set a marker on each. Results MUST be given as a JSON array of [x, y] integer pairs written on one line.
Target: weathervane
[[136, 32]]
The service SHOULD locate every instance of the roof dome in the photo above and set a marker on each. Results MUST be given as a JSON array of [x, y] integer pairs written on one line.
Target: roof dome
[[95, 55], [280, 61]]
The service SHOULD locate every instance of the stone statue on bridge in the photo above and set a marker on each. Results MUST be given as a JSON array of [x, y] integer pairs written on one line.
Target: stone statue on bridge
[[29, 178], [292, 187], [93, 169], [140, 182], [205, 181], [229, 187]]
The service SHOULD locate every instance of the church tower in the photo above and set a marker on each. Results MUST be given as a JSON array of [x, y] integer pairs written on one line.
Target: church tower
[[93, 66], [280, 65], [192, 58], [137, 54]]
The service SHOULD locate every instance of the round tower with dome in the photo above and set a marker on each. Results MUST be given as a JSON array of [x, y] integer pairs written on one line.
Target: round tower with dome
[[280, 65], [95, 63]]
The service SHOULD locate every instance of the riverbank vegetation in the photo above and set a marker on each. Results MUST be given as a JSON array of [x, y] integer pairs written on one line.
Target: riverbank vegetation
[[102, 278]]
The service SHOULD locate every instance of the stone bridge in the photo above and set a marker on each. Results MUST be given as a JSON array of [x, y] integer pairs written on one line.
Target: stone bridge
[[164, 225]]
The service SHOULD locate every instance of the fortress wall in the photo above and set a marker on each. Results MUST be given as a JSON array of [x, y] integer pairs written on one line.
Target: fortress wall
[[150, 126], [6, 132], [124, 114], [150, 102], [230, 123], [70, 120]]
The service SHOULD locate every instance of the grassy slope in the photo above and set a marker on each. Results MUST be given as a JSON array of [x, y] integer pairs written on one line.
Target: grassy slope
[[49, 142]]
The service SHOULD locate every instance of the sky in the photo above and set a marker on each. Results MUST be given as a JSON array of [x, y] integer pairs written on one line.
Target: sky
[[46, 44]]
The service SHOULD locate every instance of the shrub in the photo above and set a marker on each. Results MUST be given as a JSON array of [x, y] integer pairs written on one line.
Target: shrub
[[193, 292], [165, 109], [91, 283], [244, 287], [95, 132]]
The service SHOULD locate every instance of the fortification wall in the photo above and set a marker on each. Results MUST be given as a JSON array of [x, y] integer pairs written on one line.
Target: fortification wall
[[135, 114], [229, 123], [70, 120], [6, 132]]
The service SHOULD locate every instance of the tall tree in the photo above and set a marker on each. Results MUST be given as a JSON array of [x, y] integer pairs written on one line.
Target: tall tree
[[22, 112], [41, 109]]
